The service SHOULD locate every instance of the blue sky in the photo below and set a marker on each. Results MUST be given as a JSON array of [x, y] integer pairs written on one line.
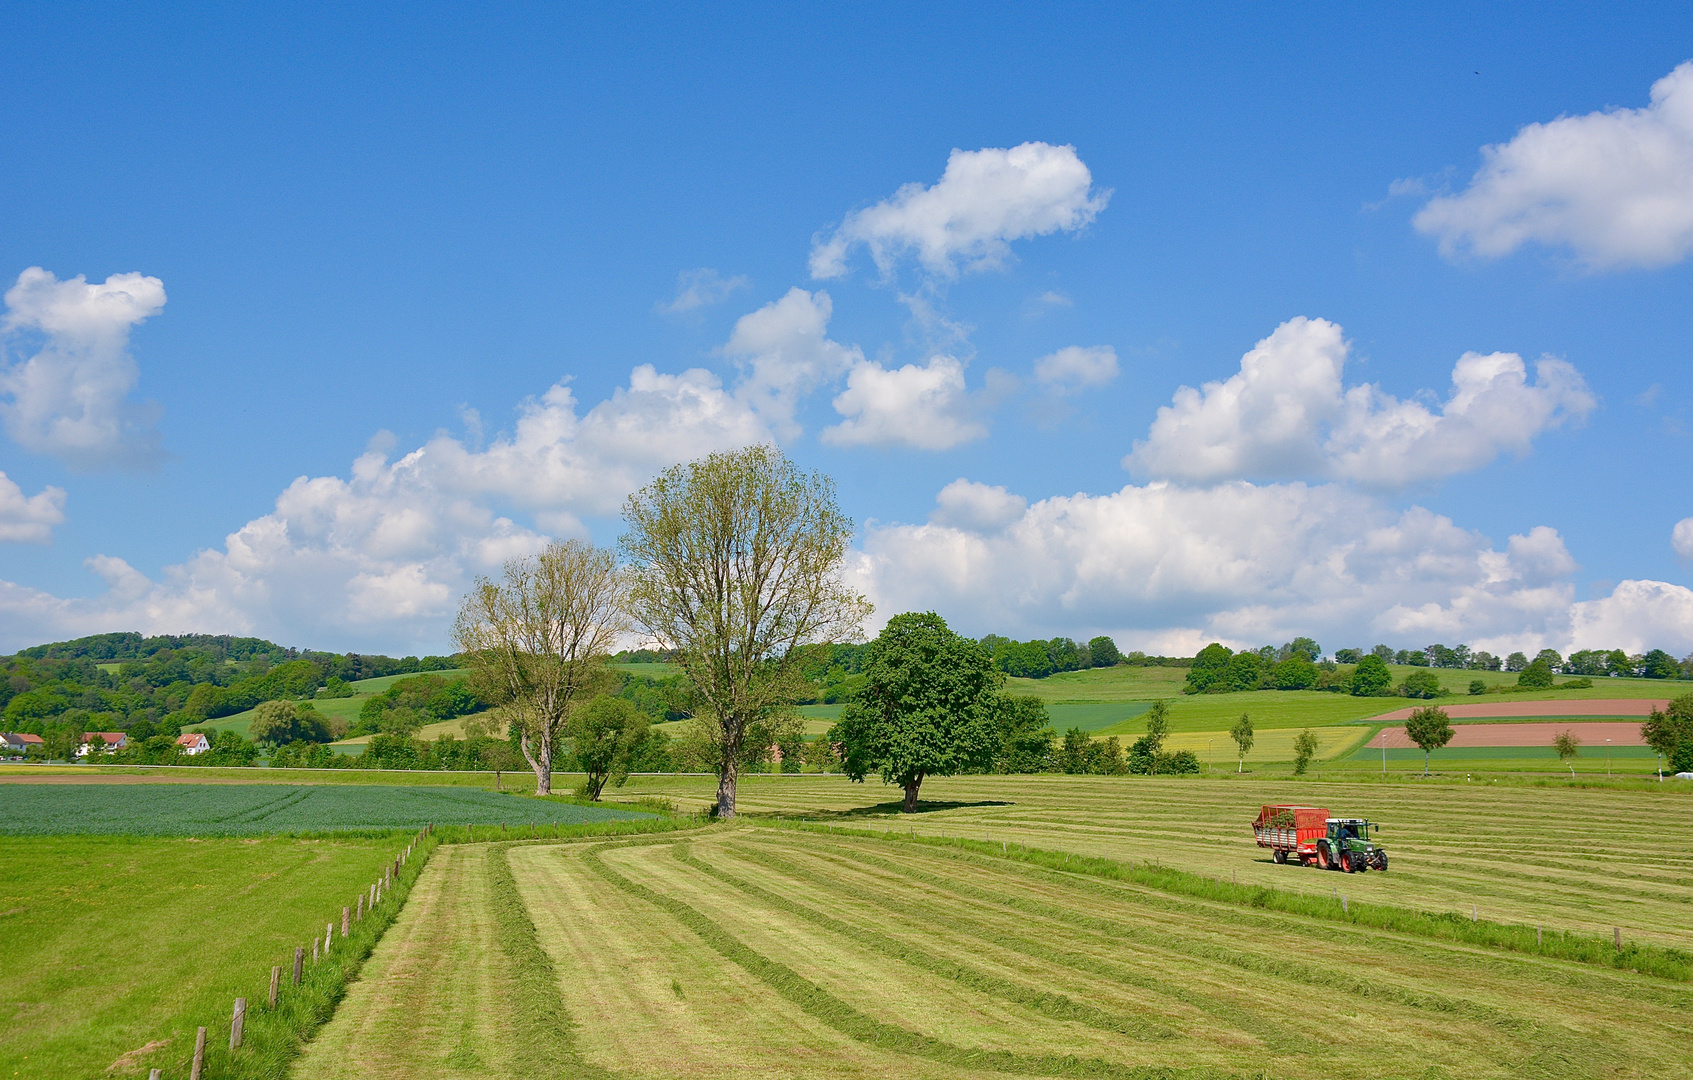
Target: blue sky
[[389, 231]]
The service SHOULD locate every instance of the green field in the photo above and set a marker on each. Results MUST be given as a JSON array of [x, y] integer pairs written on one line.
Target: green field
[[252, 810], [116, 948], [759, 952], [345, 708]]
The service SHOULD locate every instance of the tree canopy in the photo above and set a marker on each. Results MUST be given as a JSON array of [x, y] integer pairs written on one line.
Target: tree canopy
[[734, 563], [1430, 728], [928, 707]]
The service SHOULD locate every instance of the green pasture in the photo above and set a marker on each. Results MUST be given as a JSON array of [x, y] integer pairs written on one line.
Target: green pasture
[[117, 948], [258, 809]]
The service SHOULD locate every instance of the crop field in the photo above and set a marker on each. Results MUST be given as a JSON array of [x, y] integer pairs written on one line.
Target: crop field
[[1563, 857], [254, 809], [739, 951], [116, 948]]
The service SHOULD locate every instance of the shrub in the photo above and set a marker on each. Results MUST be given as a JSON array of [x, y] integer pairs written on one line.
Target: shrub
[[1421, 684], [1477, 687], [1536, 676]]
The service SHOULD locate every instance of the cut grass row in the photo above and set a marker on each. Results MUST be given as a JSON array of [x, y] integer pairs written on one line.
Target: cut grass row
[[778, 952]]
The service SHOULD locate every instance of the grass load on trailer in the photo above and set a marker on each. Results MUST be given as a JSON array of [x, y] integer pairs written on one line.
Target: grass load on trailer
[[1310, 835]]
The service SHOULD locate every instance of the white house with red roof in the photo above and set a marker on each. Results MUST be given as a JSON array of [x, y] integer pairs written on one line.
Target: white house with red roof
[[112, 740], [193, 744]]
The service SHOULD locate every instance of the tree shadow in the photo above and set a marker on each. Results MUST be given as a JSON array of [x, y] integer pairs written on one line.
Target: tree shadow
[[885, 809]]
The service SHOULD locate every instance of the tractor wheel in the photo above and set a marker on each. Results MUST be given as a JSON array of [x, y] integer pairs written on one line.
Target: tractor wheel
[[1381, 861], [1280, 856], [1322, 859]]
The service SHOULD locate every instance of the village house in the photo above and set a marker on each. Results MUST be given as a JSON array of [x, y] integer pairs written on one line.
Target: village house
[[193, 744], [16, 744], [114, 740]]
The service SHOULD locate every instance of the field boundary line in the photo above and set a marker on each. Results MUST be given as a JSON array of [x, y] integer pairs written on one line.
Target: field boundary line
[[818, 1003], [1656, 960]]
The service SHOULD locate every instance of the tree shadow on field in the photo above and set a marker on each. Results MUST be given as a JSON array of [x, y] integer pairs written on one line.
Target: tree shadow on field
[[887, 809]]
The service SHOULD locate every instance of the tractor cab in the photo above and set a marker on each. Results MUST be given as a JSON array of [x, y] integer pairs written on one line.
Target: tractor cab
[[1346, 846]]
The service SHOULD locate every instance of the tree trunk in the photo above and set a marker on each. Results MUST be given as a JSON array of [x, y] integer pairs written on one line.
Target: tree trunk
[[542, 763], [911, 787], [1425, 762], [726, 778]]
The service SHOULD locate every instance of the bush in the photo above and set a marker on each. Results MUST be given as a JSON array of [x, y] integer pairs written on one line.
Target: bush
[[1477, 687], [1536, 676], [1421, 684], [1371, 677]]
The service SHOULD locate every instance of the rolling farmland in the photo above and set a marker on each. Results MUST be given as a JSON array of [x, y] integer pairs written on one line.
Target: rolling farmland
[[746, 951]]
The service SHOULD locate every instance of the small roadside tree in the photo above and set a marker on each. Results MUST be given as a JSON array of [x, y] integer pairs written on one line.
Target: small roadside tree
[[735, 565], [605, 735], [928, 707], [1243, 737], [1430, 728], [1566, 743], [1304, 749], [537, 641]]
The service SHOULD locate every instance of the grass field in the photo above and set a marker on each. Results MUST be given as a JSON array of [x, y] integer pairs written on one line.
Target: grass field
[[345, 708], [756, 952], [258, 809], [117, 947]]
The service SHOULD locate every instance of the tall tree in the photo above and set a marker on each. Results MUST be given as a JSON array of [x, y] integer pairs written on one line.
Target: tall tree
[[735, 564], [1242, 735], [537, 641], [1102, 652], [929, 706], [1430, 728], [1304, 749]]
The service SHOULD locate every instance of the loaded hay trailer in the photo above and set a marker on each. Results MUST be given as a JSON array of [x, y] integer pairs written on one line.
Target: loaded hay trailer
[[1308, 834], [1291, 831]]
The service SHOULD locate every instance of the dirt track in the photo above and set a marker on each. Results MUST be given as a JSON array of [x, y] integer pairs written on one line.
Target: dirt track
[[1590, 707], [1592, 734]]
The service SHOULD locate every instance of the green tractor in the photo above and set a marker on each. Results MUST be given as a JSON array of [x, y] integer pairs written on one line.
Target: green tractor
[[1347, 847]]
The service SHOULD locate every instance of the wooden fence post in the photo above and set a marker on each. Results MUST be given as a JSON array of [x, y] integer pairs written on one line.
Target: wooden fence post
[[299, 962], [275, 981], [346, 921], [1539, 937], [314, 951], [155, 1074], [358, 908], [372, 895], [1616, 936], [328, 937], [237, 1023], [199, 1055]]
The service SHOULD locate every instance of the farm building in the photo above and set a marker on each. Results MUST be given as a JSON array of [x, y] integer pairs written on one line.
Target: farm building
[[193, 744], [114, 740]]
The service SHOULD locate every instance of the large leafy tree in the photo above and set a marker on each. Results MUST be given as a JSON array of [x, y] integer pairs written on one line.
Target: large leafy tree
[[1430, 728], [928, 708], [734, 563], [1370, 677], [537, 641]]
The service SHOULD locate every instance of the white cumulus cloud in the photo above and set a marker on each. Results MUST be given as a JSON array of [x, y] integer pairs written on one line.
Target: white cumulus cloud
[[1287, 414], [1614, 187], [972, 507], [985, 199], [1167, 567], [29, 519], [1637, 616], [924, 408], [71, 398], [1681, 538], [1075, 368], [785, 353], [377, 559]]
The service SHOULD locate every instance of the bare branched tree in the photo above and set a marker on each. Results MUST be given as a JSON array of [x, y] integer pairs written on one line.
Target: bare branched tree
[[537, 641], [734, 564]]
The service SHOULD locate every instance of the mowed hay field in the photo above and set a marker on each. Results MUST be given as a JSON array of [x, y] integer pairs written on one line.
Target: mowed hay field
[[1564, 857], [745, 951]]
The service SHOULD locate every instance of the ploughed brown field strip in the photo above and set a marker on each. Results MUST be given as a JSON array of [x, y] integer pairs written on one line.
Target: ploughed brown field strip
[[739, 951], [1592, 733], [1569, 707]]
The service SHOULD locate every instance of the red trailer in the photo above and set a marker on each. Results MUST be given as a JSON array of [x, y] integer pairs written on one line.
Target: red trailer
[[1291, 831]]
